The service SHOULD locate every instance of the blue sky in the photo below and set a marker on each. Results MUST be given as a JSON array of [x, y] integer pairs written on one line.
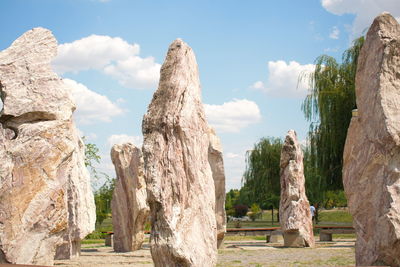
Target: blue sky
[[250, 54]]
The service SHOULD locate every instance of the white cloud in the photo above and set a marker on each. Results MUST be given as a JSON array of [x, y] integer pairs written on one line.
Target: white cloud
[[232, 116], [334, 33], [231, 155], [124, 138], [91, 106], [283, 79], [135, 72], [258, 85], [330, 49], [111, 55], [364, 10]]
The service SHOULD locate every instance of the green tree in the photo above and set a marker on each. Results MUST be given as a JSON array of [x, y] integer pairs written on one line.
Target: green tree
[[231, 199], [261, 179], [328, 108], [102, 199], [91, 157], [103, 195]]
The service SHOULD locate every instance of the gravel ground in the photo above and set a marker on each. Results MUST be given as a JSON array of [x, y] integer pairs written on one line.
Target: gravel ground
[[234, 254]]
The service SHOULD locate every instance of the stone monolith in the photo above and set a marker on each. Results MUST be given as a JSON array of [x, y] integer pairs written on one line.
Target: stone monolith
[[294, 208], [129, 202], [371, 160], [215, 157], [46, 200], [180, 185]]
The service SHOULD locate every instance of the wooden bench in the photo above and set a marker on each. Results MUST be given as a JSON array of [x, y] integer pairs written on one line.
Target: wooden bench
[[325, 232], [272, 233]]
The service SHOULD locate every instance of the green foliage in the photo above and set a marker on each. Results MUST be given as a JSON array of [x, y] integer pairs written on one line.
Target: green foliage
[[328, 107], [261, 180], [315, 184], [92, 157], [102, 198], [255, 208], [335, 199], [232, 199], [255, 211], [241, 210]]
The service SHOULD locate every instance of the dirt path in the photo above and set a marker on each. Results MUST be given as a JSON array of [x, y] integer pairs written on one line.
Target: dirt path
[[235, 254]]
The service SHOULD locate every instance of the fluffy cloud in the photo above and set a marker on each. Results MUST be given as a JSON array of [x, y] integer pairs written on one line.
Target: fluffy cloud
[[232, 116], [283, 79], [334, 33], [124, 138], [112, 56], [91, 106], [135, 72], [364, 10]]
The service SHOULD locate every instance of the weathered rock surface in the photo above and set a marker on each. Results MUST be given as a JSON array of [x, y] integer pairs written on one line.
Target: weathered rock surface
[[44, 185], [215, 157], [294, 208], [129, 206], [180, 186], [371, 160]]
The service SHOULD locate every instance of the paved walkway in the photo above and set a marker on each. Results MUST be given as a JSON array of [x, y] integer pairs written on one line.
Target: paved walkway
[[234, 254]]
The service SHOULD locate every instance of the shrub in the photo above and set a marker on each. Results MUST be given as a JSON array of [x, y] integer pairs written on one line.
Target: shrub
[[241, 210], [335, 199], [255, 211], [230, 212]]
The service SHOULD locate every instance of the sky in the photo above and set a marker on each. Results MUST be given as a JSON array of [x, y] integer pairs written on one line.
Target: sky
[[250, 55]]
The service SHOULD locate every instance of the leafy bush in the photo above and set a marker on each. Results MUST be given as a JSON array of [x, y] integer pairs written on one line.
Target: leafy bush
[[231, 212], [335, 199], [241, 210], [255, 211]]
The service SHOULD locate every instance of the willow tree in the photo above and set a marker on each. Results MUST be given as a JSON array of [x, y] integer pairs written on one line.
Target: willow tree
[[328, 108], [261, 180]]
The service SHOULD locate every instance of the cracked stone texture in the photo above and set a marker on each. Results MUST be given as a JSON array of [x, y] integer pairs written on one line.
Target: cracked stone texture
[[129, 202], [215, 157], [371, 160], [46, 198], [294, 208], [180, 185]]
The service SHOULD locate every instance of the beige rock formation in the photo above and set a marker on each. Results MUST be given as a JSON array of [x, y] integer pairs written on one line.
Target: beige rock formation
[[371, 160], [180, 186], [294, 208], [129, 206], [215, 157], [45, 188]]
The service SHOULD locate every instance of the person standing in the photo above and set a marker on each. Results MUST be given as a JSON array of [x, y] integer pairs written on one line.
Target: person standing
[[312, 209]]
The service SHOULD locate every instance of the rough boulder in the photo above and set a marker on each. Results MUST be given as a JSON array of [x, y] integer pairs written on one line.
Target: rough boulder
[[129, 206], [46, 199], [371, 160], [294, 208], [215, 157], [179, 180]]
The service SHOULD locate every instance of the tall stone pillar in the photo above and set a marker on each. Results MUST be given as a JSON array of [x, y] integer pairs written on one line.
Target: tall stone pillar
[[371, 159], [180, 185], [294, 208]]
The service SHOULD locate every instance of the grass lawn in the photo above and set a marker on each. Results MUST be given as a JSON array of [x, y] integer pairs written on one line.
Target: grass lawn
[[92, 241], [326, 217], [335, 217]]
